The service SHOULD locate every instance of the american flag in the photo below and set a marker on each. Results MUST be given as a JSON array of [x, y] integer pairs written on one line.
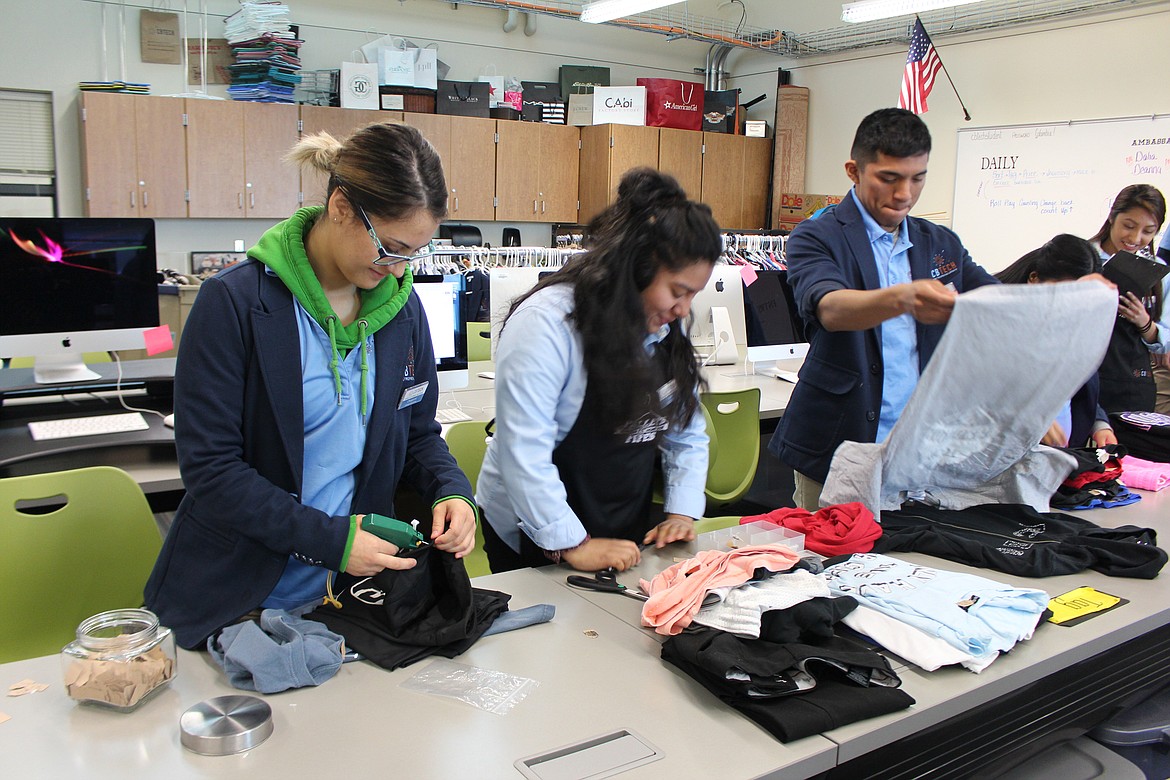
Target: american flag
[[922, 65]]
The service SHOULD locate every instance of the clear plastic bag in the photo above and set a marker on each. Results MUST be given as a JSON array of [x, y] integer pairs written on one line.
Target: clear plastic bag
[[485, 689]]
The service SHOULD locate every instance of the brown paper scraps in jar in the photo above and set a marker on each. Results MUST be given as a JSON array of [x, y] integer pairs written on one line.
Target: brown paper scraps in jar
[[121, 683], [26, 686]]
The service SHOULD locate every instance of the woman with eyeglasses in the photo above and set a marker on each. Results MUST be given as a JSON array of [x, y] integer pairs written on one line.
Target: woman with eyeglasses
[[595, 381], [305, 390]]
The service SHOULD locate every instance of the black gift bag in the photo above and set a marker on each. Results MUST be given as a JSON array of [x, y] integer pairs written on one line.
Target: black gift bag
[[581, 79], [463, 98], [720, 111], [538, 97]]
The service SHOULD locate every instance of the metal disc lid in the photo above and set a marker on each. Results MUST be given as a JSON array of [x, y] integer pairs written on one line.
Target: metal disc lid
[[226, 725]]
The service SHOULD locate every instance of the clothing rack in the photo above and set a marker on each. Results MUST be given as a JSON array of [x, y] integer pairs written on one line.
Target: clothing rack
[[451, 259], [759, 250]]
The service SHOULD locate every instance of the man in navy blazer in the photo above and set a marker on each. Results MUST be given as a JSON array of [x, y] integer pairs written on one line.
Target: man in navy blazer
[[875, 288]]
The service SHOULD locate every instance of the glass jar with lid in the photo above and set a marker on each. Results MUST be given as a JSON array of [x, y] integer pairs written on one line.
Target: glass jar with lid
[[119, 659]]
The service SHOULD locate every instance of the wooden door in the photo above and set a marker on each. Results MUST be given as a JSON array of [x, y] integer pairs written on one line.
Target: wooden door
[[472, 179], [161, 156], [593, 183], [108, 141], [723, 178], [757, 178], [271, 186], [517, 166], [215, 158], [680, 153], [633, 147], [339, 123], [558, 172]]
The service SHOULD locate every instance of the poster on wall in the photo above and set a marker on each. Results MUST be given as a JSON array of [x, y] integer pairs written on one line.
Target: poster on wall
[[219, 56]]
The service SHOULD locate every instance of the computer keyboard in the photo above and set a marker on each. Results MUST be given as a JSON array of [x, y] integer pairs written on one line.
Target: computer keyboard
[[87, 426], [779, 373], [447, 415]]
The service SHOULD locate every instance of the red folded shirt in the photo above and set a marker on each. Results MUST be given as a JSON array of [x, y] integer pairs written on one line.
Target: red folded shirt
[[835, 530]]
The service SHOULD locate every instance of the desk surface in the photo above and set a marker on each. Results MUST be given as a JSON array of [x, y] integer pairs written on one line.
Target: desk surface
[[362, 723], [952, 691]]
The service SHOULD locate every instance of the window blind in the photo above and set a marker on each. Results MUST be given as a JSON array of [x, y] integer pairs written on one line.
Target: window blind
[[26, 132]]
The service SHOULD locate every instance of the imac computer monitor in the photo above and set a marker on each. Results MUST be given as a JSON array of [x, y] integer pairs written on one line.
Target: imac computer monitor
[[715, 308], [505, 285], [74, 285], [774, 328], [441, 297]]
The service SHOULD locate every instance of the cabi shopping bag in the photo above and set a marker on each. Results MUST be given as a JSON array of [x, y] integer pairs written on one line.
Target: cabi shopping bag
[[673, 103], [463, 98], [581, 79], [721, 111], [619, 105], [537, 95]]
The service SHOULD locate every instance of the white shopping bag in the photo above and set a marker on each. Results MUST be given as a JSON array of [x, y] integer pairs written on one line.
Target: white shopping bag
[[619, 105], [359, 85]]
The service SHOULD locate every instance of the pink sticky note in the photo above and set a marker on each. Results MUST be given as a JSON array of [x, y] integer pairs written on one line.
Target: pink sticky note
[[749, 275], [158, 339]]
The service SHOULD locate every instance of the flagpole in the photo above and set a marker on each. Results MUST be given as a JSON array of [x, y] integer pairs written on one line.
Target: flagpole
[[943, 65]]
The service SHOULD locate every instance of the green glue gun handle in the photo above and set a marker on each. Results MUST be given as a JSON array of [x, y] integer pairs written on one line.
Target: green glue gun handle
[[400, 534]]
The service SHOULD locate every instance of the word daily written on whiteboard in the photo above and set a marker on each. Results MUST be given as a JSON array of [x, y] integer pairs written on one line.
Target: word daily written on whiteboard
[[1018, 186]]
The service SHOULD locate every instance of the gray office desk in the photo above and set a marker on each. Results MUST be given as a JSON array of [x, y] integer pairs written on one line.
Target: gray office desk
[[361, 723], [952, 692], [478, 398]]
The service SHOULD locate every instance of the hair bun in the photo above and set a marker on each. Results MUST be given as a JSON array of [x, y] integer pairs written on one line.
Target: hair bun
[[645, 189]]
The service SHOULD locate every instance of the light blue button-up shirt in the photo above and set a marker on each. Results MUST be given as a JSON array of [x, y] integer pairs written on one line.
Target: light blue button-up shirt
[[540, 387], [334, 440], [899, 335]]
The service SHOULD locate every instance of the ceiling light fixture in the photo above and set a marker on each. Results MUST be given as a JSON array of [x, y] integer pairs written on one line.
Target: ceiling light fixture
[[871, 10], [607, 10]]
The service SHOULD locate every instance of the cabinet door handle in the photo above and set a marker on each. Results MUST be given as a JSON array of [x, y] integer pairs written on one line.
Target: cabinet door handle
[[145, 199], [240, 198], [542, 207], [133, 199], [252, 199], [456, 202], [534, 205]]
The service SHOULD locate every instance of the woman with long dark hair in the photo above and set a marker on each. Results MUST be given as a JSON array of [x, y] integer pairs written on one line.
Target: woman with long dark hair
[[595, 377], [1127, 373]]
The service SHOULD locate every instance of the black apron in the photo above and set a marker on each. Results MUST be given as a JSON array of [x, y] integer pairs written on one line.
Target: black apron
[[1127, 381], [608, 470]]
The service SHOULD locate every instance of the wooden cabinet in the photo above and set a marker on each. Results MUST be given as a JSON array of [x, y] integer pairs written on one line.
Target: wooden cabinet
[[235, 165], [132, 151], [736, 173], [680, 153], [607, 152], [467, 148], [340, 123], [757, 180], [537, 172]]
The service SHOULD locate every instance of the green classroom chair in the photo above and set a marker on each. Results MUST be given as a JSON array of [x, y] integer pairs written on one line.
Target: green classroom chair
[[733, 426], [707, 524], [91, 554], [468, 443], [479, 341]]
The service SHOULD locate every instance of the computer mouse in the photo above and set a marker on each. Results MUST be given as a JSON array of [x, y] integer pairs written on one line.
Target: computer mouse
[[169, 421]]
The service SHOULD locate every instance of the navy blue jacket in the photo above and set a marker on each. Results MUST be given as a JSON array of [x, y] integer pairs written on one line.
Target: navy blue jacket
[[839, 396], [240, 433]]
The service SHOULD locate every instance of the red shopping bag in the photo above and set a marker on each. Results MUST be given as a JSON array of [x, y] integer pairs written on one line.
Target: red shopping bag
[[673, 103]]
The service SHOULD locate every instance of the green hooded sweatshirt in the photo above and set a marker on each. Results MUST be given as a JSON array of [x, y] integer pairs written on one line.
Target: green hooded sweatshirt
[[282, 248]]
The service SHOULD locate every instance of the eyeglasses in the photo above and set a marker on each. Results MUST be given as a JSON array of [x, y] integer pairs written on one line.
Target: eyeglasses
[[389, 258]]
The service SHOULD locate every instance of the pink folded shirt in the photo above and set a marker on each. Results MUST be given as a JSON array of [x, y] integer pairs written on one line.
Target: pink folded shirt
[[1144, 474], [677, 593]]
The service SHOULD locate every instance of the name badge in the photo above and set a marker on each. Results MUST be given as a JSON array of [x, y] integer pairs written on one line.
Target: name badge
[[412, 395]]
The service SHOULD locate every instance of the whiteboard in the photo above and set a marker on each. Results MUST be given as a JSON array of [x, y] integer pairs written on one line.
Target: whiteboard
[[1018, 186]]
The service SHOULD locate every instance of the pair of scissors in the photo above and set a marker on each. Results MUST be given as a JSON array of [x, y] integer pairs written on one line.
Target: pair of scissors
[[604, 581]]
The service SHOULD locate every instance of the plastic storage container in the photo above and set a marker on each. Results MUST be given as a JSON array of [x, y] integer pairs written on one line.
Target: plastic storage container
[[1141, 734], [749, 535], [119, 659]]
